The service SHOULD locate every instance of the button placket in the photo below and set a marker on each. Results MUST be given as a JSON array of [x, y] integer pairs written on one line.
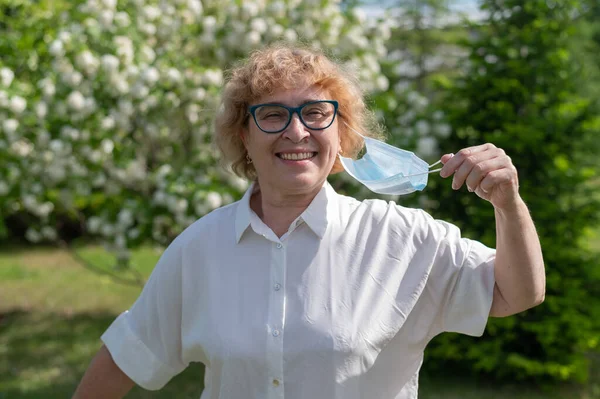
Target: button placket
[[276, 321]]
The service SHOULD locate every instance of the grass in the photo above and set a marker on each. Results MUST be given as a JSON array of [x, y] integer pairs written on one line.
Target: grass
[[53, 311]]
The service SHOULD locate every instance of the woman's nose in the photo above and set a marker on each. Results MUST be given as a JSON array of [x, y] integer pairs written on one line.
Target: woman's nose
[[296, 131]]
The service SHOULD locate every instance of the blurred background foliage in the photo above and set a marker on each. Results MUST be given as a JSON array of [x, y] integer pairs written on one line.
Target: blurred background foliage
[[106, 120]]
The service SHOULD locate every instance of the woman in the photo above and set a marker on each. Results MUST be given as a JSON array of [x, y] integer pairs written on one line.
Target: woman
[[299, 292]]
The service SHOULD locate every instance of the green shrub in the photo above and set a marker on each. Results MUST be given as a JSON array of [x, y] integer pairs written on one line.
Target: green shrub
[[520, 93]]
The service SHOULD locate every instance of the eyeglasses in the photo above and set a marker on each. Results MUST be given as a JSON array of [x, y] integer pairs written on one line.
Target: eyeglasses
[[275, 118]]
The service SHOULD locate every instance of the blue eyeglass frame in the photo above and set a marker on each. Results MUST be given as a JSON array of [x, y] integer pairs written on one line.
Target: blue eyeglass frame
[[294, 110]]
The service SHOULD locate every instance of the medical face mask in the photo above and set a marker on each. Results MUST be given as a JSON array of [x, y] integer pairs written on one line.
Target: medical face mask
[[385, 169]]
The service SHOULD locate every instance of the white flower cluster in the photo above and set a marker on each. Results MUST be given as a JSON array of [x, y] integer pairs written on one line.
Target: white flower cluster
[[116, 127]]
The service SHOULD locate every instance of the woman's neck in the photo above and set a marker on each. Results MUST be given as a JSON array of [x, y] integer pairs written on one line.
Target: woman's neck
[[277, 209]]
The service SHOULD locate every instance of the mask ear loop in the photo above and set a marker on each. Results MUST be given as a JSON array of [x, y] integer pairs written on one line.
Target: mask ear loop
[[351, 128], [433, 164]]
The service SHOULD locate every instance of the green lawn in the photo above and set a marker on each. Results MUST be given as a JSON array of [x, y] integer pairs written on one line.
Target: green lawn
[[53, 311]]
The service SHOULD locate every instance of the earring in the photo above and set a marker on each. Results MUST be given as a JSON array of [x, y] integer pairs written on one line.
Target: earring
[[248, 159]]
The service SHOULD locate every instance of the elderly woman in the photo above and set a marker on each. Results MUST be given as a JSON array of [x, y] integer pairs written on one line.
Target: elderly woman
[[298, 292]]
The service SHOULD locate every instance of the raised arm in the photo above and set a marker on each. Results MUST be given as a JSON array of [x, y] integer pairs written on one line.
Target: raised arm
[[103, 379], [519, 266]]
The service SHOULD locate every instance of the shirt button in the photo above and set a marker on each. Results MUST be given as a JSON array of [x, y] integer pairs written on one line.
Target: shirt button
[[279, 245], [277, 287], [276, 333], [275, 382]]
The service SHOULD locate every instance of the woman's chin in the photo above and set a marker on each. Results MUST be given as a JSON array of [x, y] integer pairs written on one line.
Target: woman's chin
[[301, 181]]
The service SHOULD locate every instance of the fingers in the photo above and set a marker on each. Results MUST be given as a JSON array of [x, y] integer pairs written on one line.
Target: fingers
[[478, 172], [454, 162], [500, 178], [472, 167], [445, 158]]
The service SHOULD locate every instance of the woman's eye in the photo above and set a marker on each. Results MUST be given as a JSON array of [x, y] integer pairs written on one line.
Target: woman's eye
[[272, 115]]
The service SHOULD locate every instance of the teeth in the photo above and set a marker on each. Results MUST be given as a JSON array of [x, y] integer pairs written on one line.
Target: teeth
[[295, 156]]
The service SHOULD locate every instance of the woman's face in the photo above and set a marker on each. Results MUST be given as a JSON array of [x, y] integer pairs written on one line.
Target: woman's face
[[276, 155]]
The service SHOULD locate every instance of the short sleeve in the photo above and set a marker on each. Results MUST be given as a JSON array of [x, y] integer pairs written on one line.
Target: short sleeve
[[145, 341], [461, 281]]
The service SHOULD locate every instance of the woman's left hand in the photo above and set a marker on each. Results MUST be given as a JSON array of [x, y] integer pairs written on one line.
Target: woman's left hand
[[487, 171]]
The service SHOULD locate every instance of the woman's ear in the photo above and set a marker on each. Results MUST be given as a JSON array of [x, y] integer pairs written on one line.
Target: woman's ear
[[244, 136]]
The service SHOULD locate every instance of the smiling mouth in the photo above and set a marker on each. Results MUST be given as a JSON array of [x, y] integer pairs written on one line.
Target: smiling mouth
[[296, 156]]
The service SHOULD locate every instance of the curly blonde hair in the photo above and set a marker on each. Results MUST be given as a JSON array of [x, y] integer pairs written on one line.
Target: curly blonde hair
[[283, 66]]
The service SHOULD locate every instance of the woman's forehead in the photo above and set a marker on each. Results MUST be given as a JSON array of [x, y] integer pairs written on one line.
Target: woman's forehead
[[295, 96]]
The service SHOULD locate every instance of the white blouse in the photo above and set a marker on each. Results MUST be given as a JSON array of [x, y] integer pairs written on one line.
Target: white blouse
[[340, 307]]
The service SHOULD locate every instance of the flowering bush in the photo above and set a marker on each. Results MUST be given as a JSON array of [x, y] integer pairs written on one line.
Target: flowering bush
[[106, 108]]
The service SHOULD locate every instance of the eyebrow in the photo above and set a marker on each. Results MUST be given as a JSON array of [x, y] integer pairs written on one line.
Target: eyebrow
[[305, 101]]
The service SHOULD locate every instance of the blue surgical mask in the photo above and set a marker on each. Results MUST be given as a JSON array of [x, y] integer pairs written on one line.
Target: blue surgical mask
[[385, 169]]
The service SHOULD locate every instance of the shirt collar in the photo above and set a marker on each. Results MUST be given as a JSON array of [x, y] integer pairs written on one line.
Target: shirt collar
[[316, 216]]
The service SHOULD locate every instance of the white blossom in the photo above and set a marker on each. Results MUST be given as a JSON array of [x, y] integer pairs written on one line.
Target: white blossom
[[214, 200], [136, 171], [93, 224], [57, 49], [139, 91], [107, 146], [41, 110], [22, 148], [151, 13], [124, 48], [73, 78], [290, 35], [277, 8], [106, 19], [109, 4], [76, 101], [213, 77], [253, 39], [173, 75], [33, 235], [195, 6], [107, 123], [276, 30], [65, 37], [427, 146], [382, 83], [110, 63], [10, 126], [192, 113], [443, 130], [250, 9], [147, 54], [122, 20], [209, 23], [45, 209], [4, 188], [3, 99], [422, 128], [87, 62], [133, 233], [491, 59], [119, 83], [150, 75], [47, 86], [259, 25], [125, 218], [107, 230], [49, 233], [6, 76], [17, 104]]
